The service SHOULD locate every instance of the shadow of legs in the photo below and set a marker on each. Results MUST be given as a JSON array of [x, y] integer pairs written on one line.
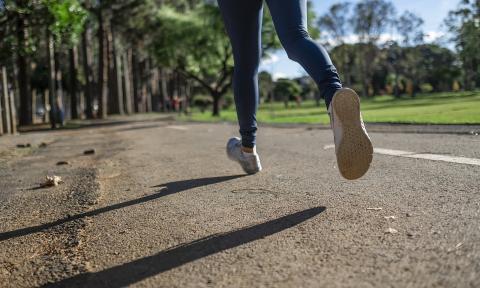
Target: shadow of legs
[[137, 270], [167, 189]]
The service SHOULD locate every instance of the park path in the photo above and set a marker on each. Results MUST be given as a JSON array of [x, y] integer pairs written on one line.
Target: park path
[[166, 208]]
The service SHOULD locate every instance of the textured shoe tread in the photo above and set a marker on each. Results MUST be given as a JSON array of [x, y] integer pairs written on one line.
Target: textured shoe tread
[[355, 151]]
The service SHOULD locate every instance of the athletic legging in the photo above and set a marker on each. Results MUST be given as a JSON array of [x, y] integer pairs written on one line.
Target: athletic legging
[[243, 22]]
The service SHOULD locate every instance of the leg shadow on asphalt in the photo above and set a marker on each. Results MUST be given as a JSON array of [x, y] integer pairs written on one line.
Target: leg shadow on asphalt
[[137, 270], [166, 189]]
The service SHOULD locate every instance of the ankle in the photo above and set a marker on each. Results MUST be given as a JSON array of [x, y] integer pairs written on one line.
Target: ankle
[[248, 149]]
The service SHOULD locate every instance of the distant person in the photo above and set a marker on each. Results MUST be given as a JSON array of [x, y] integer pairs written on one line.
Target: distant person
[[243, 21]]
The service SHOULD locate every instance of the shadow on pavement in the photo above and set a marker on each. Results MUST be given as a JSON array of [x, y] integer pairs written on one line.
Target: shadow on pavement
[[137, 270], [167, 189]]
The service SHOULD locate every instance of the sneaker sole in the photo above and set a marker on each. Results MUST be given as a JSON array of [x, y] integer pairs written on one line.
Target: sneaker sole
[[355, 151]]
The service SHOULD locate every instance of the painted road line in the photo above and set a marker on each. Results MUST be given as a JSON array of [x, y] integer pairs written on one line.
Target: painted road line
[[426, 156], [176, 127]]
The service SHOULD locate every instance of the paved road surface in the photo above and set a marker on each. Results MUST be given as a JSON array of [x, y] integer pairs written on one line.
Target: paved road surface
[[160, 205]]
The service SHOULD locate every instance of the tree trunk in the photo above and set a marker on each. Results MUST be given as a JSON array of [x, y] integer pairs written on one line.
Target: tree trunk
[[88, 72], [148, 87], [73, 55], [187, 90], [34, 105], [23, 73], [216, 104], [102, 68], [46, 105], [113, 103], [51, 81], [164, 88], [155, 89], [5, 102], [1, 109], [13, 114], [135, 82], [127, 79], [118, 75], [60, 116]]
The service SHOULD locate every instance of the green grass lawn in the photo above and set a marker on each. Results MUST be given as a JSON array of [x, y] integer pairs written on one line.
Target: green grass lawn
[[437, 108]]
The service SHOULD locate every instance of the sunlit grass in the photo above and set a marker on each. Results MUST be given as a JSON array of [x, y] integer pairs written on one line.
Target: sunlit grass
[[438, 108]]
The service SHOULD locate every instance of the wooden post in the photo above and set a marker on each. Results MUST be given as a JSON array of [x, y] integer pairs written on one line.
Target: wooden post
[[5, 102]]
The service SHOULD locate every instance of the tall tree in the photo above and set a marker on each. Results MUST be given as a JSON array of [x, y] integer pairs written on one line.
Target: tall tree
[[410, 28], [335, 25], [371, 18], [195, 45], [464, 24]]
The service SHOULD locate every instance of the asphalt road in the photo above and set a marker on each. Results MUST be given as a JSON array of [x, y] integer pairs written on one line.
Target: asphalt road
[[160, 205]]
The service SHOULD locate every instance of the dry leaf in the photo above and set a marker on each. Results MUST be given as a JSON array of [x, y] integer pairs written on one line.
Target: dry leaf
[[375, 209]]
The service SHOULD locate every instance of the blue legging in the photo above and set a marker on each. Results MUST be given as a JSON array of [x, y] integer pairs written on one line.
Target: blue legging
[[243, 22]]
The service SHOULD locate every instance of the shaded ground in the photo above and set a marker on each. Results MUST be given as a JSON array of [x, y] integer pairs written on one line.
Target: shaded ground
[[160, 205]]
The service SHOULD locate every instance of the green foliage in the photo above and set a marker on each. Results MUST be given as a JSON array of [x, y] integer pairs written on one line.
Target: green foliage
[[285, 89], [464, 25], [194, 41], [68, 17]]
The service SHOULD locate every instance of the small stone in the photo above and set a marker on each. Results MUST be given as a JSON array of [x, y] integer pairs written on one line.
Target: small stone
[[42, 145], [390, 217], [89, 152], [59, 163], [409, 234], [391, 231], [52, 181], [409, 214]]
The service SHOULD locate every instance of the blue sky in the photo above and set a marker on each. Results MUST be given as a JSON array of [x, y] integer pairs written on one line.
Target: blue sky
[[433, 13]]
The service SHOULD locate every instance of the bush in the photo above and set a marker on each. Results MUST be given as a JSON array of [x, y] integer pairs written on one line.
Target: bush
[[202, 101], [426, 88]]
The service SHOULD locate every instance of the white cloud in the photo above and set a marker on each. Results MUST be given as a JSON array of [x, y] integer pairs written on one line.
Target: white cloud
[[279, 75], [272, 59], [430, 36]]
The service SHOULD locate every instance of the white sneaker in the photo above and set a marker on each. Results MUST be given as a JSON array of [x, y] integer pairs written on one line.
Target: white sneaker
[[353, 147], [250, 162]]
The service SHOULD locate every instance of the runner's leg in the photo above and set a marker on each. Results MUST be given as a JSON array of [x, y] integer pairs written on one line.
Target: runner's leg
[[243, 21]]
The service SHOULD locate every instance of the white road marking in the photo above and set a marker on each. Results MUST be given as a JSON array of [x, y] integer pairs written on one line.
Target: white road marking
[[426, 156], [176, 127]]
